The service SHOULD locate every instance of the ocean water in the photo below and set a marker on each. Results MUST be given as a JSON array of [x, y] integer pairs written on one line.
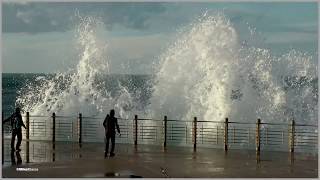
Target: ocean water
[[13, 85]]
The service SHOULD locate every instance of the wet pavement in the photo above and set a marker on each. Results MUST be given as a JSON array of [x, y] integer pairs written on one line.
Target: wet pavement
[[69, 160]]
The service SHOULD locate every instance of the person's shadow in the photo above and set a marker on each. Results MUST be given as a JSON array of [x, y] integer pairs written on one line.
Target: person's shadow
[[13, 158]]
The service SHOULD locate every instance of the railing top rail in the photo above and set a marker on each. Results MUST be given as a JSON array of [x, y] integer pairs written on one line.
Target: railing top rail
[[311, 125], [212, 121], [146, 119], [181, 120], [234, 122], [88, 117], [277, 124], [37, 116], [66, 116], [174, 120]]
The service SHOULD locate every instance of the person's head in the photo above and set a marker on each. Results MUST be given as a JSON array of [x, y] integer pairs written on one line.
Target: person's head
[[112, 112], [17, 110]]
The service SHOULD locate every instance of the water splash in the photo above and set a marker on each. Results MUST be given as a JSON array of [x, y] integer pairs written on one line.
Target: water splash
[[207, 72], [77, 90]]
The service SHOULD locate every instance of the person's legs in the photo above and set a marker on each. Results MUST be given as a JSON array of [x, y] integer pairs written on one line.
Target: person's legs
[[13, 137], [113, 138], [107, 146], [13, 158], [19, 135]]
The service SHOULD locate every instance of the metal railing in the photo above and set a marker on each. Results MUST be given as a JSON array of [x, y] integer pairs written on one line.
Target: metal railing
[[168, 132]]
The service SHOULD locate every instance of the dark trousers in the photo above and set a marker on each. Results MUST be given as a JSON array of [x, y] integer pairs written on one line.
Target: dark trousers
[[18, 133], [111, 136]]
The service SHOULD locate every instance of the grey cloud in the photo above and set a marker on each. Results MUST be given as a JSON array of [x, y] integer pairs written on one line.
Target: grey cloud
[[57, 16]]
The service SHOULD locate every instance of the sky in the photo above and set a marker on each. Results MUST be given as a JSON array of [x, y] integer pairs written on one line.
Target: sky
[[38, 37]]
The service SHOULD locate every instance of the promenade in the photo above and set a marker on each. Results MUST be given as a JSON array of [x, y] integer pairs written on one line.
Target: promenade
[[149, 161]]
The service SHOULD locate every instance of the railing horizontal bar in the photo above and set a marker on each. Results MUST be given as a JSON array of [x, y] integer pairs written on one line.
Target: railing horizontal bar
[[304, 145], [178, 130], [37, 124], [149, 126], [180, 127], [208, 139], [213, 129], [268, 132], [305, 132], [274, 141], [210, 121], [277, 124], [208, 132], [208, 143], [238, 140], [306, 136], [38, 116], [175, 139], [90, 132], [273, 131], [246, 130], [276, 136], [181, 120], [90, 123], [270, 144], [311, 125], [232, 142], [91, 127], [235, 122], [145, 138], [63, 123], [92, 117], [310, 142], [147, 133], [237, 135], [67, 117], [148, 119]]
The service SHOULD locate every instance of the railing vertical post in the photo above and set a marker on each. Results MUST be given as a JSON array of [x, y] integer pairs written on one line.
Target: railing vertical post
[[80, 129], [165, 132], [136, 130], [27, 136], [53, 130], [258, 141], [258, 136], [2, 138], [195, 134], [226, 134], [292, 134], [217, 134], [53, 135]]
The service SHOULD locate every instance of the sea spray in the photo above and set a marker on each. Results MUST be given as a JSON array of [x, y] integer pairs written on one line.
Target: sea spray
[[80, 89], [207, 72]]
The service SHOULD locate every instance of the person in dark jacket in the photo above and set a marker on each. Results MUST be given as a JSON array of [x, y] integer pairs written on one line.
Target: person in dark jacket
[[16, 123], [110, 124]]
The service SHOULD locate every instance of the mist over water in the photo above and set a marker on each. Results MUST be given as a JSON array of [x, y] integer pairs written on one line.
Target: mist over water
[[207, 72]]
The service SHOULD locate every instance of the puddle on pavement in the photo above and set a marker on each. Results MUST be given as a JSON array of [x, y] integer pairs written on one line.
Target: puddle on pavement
[[216, 169], [120, 174]]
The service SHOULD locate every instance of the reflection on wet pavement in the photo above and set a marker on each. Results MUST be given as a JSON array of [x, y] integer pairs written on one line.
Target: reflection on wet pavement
[[151, 161]]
